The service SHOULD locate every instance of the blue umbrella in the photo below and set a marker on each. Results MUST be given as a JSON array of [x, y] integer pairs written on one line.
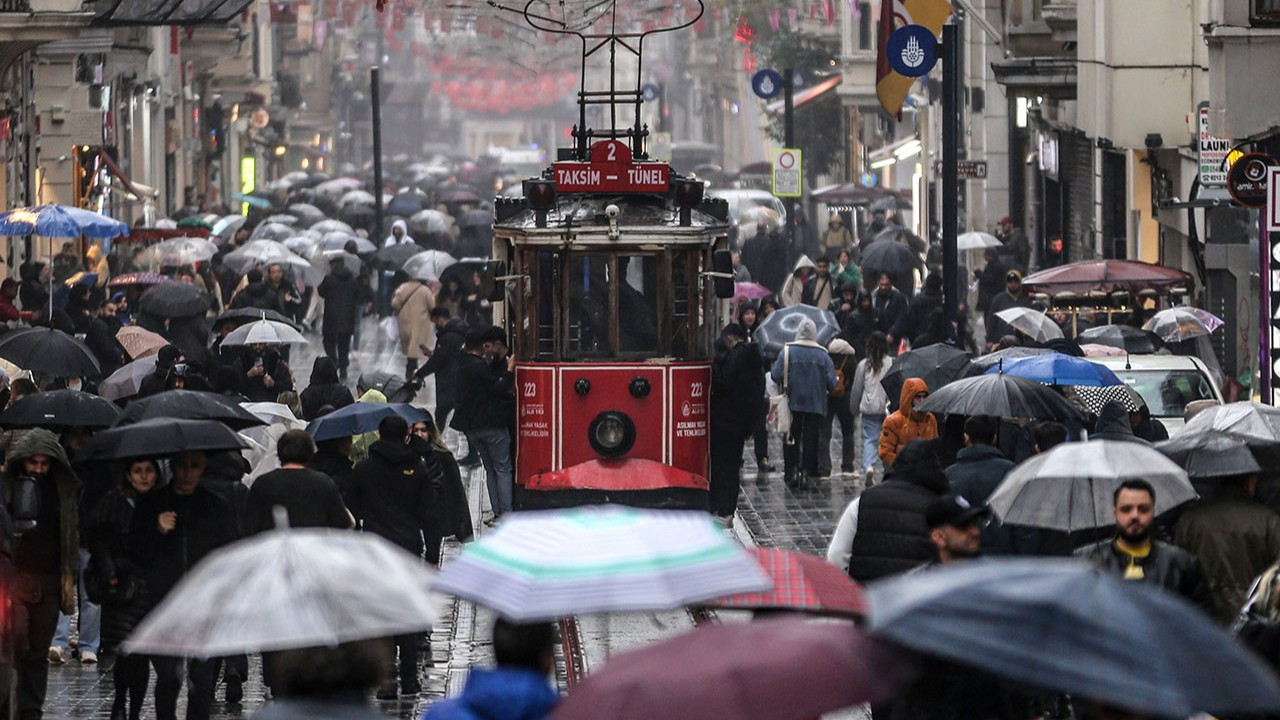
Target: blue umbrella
[[361, 417], [1057, 369], [1065, 627], [59, 221]]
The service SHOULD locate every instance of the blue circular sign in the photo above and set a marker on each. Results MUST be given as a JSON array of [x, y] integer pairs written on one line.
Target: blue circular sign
[[767, 83], [649, 92], [912, 50]]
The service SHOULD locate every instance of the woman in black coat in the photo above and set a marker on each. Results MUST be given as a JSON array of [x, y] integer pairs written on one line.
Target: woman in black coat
[[324, 389], [118, 582], [453, 514]]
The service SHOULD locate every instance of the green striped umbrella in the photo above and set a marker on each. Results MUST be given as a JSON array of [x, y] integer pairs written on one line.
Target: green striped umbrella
[[551, 564]]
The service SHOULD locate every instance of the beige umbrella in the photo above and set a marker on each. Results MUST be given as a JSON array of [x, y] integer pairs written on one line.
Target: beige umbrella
[[139, 342]]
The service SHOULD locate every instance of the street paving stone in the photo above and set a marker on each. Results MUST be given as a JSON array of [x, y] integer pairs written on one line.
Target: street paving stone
[[769, 514]]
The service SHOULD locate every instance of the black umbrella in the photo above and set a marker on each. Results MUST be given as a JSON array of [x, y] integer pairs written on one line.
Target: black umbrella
[[475, 218], [1126, 337], [782, 325], [174, 300], [406, 204], [936, 364], [48, 352], [61, 409], [890, 257], [999, 395], [388, 384], [158, 437], [241, 316], [1203, 455], [891, 202], [358, 216], [190, 405], [395, 256], [902, 236]]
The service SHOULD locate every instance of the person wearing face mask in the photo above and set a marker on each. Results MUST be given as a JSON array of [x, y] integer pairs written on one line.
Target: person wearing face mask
[[172, 530], [114, 578], [906, 423]]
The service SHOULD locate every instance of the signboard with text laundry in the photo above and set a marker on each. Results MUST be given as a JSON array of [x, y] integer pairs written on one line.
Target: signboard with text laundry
[[611, 169]]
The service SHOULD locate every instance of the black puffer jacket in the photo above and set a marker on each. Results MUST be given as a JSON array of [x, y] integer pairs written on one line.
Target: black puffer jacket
[[483, 394], [204, 524], [108, 541], [1166, 566], [445, 360], [324, 389], [737, 389], [892, 535], [393, 495], [343, 295]]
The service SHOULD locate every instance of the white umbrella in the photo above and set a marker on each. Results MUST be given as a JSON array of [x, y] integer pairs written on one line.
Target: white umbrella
[[1071, 487], [179, 251], [428, 265], [270, 412], [551, 564], [266, 252], [328, 226], [357, 197], [228, 225], [1182, 323], [337, 187], [976, 239], [266, 332], [1033, 323], [290, 589], [303, 245]]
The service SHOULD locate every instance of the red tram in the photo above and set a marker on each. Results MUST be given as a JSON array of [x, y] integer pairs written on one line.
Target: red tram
[[611, 309]]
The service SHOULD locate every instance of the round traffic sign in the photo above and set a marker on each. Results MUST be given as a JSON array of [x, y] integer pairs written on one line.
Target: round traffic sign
[[786, 160], [912, 50], [767, 83]]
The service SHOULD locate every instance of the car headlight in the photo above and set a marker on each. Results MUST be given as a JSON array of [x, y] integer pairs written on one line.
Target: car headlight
[[611, 434]]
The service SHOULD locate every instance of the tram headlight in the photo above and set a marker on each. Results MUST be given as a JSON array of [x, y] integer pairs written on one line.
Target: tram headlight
[[611, 434]]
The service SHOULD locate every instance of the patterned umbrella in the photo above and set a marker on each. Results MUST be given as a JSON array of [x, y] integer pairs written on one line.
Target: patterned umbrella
[[140, 342], [137, 278], [550, 564], [780, 327], [1182, 323], [801, 582], [1095, 397]]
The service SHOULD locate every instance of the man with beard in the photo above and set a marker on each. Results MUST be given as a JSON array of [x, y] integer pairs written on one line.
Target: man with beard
[[1135, 555], [954, 528]]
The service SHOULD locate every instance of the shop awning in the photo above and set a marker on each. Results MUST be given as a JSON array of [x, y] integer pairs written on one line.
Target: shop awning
[[806, 95], [166, 12]]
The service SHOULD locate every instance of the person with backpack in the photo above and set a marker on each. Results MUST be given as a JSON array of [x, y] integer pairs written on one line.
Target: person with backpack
[[871, 399], [838, 406], [805, 373]]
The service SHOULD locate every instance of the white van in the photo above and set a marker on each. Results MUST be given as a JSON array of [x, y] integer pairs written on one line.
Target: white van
[[741, 199], [1167, 383]]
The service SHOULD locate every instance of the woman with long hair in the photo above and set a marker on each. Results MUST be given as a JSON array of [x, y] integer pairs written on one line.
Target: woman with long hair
[[453, 515], [871, 399], [118, 584]]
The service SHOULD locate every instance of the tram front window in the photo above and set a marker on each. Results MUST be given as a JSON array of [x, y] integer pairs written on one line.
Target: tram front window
[[613, 305]]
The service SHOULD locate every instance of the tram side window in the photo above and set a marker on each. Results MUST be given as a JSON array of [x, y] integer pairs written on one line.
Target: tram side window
[[590, 312], [546, 328], [638, 304], [679, 326]]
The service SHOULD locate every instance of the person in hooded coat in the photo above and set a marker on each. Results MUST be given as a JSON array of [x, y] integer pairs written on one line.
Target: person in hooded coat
[[517, 689], [884, 530], [325, 388], [793, 289], [393, 497], [920, 310], [386, 282], [839, 407], [1113, 424], [806, 374], [737, 401], [906, 424], [46, 558], [453, 514], [343, 295]]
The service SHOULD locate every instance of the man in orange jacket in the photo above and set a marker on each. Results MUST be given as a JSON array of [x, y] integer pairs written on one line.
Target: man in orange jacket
[[905, 424]]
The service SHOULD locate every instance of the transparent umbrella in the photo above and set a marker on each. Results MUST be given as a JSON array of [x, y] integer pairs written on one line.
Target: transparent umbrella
[[1033, 323], [428, 265], [1182, 323], [290, 589], [266, 332]]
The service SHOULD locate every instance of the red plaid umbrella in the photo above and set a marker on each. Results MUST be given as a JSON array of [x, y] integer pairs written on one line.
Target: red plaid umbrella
[[801, 582]]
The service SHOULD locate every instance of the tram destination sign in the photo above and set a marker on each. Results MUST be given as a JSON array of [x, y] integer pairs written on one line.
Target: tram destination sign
[[611, 169]]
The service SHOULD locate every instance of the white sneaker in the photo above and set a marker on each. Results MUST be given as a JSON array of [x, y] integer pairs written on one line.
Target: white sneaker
[[88, 657], [869, 475], [55, 656]]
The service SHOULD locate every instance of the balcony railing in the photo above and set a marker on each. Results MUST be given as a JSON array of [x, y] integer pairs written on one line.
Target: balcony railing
[[15, 6]]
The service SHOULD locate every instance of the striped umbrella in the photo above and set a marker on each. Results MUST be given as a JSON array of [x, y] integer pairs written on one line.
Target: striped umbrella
[[546, 565], [801, 582]]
